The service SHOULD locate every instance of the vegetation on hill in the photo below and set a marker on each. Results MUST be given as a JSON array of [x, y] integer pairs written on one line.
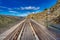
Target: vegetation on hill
[[43, 16], [5, 20], [57, 20], [56, 6]]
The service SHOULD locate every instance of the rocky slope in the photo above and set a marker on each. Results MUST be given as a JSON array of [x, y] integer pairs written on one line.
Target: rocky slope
[[43, 16]]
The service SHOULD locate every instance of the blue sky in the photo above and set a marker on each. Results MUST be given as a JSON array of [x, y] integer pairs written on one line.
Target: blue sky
[[24, 7]]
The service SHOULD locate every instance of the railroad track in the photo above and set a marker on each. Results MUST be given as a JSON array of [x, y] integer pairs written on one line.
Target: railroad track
[[21, 32], [28, 30], [27, 33], [42, 32]]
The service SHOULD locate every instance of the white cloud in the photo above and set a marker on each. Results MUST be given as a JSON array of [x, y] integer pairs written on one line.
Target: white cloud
[[6, 8], [30, 12], [13, 11], [33, 12], [30, 8], [26, 8]]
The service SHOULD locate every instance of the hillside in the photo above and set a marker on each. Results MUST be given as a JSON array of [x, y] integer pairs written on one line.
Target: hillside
[[7, 22], [43, 17], [56, 6], [4, 20]]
